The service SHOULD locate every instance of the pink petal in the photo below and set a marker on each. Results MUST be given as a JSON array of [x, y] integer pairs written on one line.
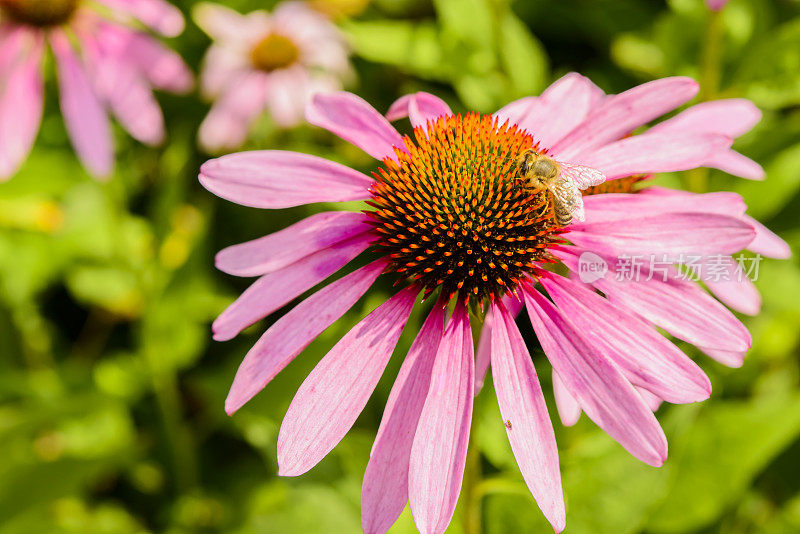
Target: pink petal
[[604, 394], [725, 357], [159, 15], [276, 251], [670, 234], [680, 307], [220, 67], [620, 114], [643, 355], [86, 120], [384, 492], [628, 206], [274, 290], [21, 99], [653, 153], [766, 242], [731, 117], [163, 68], [560, 108], [230, 119], [736, 164], [439, 452], [568, 408], [334, 393], [483, 356], [127, 92], [515, 111], [293, 332], [354, 120], [652, 401], [527, 422], [419, 108], [729, 283], [276, 179]]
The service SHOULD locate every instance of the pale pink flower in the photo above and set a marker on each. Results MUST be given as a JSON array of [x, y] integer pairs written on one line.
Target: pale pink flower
[[265, 61], [104, 64], [449, 219], [716, 5]]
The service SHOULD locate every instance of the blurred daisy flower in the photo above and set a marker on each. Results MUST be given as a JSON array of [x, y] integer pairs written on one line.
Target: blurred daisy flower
[[104, 64], [265, 61], [450, 220]]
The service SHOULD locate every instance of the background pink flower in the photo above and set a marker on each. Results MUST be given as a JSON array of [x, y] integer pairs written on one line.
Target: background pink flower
[[265, 61], [104, 64]]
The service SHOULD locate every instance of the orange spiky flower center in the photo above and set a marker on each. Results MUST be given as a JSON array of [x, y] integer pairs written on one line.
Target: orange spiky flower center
[[453, 214], [42, 13]]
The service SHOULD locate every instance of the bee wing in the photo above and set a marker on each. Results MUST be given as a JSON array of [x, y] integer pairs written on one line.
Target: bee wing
[[567, 193], [581, 175]]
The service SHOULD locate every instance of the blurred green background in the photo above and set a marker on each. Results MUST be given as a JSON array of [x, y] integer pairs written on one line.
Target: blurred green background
[[112, 392]]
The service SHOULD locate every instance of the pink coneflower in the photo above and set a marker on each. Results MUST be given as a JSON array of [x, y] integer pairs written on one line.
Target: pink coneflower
[[104, 64], [264, 61], [450, 220]]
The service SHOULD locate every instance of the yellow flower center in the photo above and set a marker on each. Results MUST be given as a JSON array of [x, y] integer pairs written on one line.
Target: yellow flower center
[[274, 52], [453, 214], [41, 13]]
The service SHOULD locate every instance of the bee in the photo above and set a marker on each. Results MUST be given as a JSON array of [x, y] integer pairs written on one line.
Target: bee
[[563, 180], [508, 424]]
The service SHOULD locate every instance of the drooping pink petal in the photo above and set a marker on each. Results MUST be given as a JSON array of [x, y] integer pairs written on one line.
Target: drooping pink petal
[[767, 243], [736, 164], [384, 492], [159, 15], [287, 95], [620, 114], [221, 65], [276, 251], [419, 107], [483, 356], [228, 123], [731, 117], [86, 120], [125, 90], [21, 99], [163, 68], [725, 278], [644, 356], [728, 358], [221, 23], [439, 452], [560, 108], [680, 307], [274, 290], [651, 153], [652, 401], [354, 120], [629, 206], [568, 408], [665, 235], [527, 421], [276, 179], [334, 393], [293, 332], [604, 394]]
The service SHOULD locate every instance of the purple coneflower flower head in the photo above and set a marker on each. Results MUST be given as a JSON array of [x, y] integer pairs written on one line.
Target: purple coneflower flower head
[[104, 64], [265, 61], [450, 219]]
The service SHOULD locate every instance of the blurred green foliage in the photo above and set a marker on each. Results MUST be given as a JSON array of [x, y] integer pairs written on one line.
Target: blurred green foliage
[[112, 393]]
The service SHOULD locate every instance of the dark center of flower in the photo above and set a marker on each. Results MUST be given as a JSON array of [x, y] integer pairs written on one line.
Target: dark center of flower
[[41, 13], [453, 214], [274, 52]]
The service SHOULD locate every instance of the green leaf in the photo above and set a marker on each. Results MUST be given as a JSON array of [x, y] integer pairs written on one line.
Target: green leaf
[[728, 444], [523, 57]]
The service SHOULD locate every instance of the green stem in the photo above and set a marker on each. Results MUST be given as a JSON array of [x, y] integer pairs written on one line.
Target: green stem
[[472, 482], [710, 74]]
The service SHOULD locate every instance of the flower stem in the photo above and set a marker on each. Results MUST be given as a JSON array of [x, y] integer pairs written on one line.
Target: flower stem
[[472, 482], [710, 74]]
